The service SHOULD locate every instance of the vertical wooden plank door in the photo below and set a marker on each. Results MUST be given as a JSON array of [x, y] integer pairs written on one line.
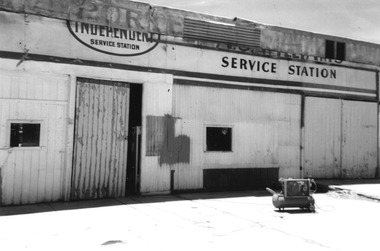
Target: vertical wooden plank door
[[101, 139]]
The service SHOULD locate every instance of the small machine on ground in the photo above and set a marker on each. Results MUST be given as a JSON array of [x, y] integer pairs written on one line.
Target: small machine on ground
[[295, 193]]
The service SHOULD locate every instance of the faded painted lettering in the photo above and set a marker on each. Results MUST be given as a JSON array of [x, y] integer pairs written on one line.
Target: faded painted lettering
[[317, 72], [266, 66], [114, 41], [248, 64], [275, 54]]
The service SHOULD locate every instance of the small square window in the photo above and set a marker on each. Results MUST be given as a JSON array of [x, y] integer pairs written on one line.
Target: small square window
[[330, 49], [340, 51], [335, 50], [25, 134], [219, 139]]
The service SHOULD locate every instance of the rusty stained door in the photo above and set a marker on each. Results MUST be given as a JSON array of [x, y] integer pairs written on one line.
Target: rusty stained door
[[101, 139]]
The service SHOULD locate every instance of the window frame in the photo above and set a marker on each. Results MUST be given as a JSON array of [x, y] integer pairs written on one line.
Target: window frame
[[231, 127], [42, 138], [334, 49]]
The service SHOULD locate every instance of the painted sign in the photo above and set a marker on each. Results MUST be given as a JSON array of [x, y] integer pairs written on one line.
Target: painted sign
[[113, 41], [265, 66], [263, 71]]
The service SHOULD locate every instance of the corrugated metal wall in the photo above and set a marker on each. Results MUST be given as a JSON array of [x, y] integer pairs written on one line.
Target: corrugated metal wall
[[157, 103], [33, 174], [322, 137], [101, 139], [265, 130], [359, 139], [340, 138]]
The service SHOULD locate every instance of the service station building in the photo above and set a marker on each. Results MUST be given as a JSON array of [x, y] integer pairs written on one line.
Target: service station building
[[102, 99]]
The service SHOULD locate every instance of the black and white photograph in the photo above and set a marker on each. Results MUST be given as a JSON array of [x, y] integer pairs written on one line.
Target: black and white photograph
[[189, 125]]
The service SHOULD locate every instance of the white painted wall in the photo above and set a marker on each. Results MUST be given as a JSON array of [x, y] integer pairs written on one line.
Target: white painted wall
[[322, 137], [266, 130], [266, 126], [157, 101], [340, 138], [63, 97], [33, 174], [359, 140]]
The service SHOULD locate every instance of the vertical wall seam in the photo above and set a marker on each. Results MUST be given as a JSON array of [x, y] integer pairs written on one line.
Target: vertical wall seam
[[377, 173], [1, 188], [302, 136], [341, 139], [67, 170]]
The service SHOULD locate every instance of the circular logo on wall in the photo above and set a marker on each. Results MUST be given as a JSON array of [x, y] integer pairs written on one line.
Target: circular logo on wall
[[113, 41]]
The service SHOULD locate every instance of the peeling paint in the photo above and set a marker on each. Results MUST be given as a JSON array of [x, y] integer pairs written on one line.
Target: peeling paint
[[149, 18], [116, 13], [100, 147], [162, 142], [175, 149]]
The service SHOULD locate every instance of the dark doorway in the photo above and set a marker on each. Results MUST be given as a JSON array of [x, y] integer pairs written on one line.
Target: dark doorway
[[134, 142]]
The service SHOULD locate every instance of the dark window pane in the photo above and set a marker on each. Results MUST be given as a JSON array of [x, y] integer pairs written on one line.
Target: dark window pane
[[330, 49], [340, 51], [25, 135], [218, 139]]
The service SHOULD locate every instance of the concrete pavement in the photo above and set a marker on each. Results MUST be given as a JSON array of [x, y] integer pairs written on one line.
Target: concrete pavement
[[244, 220], [360, 188], [130, 200]]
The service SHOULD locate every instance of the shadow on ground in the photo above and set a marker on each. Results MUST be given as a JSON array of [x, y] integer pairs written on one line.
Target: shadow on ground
[[294, 211], [129, 200], [323, 186], [335, 182]]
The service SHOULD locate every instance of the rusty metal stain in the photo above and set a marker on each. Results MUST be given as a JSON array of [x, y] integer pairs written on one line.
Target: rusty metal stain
[[162, 20], [119, 14], [116, 13], [162, 142]]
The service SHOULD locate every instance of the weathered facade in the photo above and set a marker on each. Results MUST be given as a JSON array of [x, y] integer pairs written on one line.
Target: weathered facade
[[104, 98]]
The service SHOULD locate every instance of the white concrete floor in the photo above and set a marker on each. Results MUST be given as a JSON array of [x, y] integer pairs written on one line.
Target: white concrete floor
[[230, 221]]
